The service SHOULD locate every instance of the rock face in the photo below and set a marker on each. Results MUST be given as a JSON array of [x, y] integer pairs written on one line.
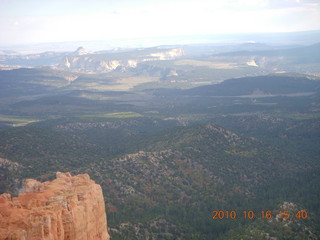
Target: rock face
[[66, 208], [81, 61]]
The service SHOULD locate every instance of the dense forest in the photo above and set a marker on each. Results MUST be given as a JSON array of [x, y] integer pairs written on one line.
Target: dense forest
[[233, 159]]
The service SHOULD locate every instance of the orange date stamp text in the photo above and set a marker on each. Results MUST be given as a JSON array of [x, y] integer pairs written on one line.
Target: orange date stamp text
[[302, 214]]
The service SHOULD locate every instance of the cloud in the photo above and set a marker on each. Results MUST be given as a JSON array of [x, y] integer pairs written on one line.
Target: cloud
[[43, 21], [290, 3]]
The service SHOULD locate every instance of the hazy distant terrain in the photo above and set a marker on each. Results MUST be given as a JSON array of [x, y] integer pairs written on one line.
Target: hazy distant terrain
[[174, 132]]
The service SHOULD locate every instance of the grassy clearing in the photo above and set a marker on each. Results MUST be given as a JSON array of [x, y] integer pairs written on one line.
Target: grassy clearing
[[16, 122], [119, 84], [94, 96], [300, 116], [114, 115]]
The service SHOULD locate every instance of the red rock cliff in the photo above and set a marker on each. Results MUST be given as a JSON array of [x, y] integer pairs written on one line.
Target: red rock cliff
[[67, 208]]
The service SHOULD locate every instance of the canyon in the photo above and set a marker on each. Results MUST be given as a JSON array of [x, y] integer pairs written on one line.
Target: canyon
[[69, 207]]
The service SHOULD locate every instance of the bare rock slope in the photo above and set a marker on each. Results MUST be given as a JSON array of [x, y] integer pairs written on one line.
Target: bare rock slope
[[69, 207]]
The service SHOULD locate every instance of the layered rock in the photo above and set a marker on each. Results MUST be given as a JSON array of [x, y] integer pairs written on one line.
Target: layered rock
[[69, 207]]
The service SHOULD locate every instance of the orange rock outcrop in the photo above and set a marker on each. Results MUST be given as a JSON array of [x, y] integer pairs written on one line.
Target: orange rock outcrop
[[69, 207]]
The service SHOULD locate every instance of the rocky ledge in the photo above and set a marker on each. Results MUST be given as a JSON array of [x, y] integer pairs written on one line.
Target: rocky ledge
[[69, 207]]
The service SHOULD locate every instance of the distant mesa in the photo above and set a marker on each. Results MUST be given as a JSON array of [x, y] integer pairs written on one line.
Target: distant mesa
[[69, 207]]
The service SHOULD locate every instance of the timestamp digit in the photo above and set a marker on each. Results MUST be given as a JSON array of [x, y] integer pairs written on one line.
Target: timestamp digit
[[266, 214], [215, 215], [284, 214], [221, 214], [302, 214], [248, 214], [233, 214]]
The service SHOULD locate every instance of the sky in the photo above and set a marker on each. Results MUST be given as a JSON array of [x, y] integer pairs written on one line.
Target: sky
[[38, 21]]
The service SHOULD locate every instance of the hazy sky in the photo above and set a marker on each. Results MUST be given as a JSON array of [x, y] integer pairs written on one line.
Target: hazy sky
[[27, 21]]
